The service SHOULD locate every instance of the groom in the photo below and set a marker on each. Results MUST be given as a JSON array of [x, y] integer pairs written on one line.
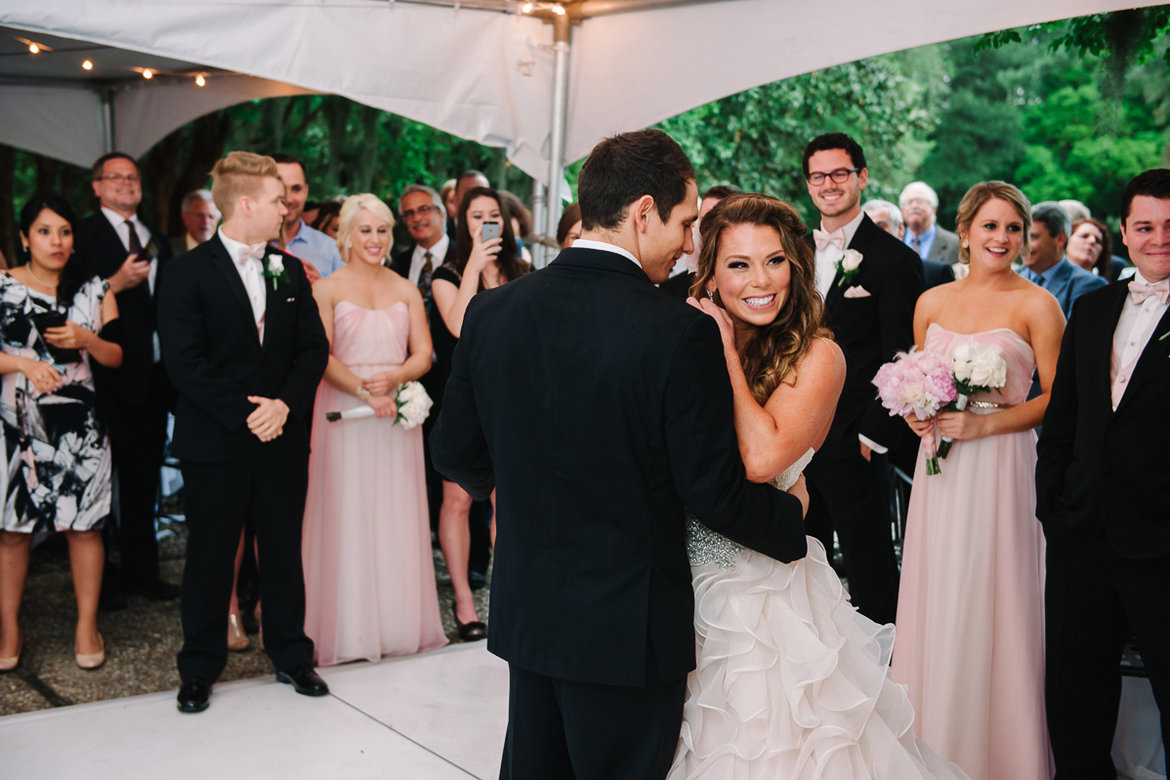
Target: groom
[[1101, 493], [600, 408], [245, 349]]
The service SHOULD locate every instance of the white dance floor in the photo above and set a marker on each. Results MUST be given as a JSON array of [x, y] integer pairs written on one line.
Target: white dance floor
[[435, 716]]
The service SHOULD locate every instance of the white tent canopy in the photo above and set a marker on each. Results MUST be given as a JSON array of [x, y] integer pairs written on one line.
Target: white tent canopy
[[480, 69]]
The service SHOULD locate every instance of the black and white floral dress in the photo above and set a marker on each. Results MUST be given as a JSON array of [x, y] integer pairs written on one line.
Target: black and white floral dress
[[57, 453]]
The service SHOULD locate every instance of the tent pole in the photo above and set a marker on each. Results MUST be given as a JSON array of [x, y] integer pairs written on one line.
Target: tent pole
[[539, 204], [107, 95], [562, 41]]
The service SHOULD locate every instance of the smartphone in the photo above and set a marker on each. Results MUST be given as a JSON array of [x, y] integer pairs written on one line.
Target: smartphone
[[490, 230]]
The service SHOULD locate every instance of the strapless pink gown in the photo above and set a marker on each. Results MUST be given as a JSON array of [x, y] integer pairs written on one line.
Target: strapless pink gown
[[970, 610], [366, 543]]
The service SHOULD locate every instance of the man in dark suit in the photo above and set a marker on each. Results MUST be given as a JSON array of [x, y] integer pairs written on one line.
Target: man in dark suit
[[932, 242], [1101, 494], [199, 217], [600, 408], [870, 281], [245, 348], [117, 245]]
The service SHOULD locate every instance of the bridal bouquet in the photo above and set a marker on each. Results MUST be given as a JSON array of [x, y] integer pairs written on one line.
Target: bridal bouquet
[[414, 405], [976, 368], [918, 383]]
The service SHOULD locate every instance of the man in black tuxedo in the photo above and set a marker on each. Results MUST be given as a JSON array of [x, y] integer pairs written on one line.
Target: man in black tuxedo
[[870, 281], [600, 408], [245, 348], [1101, 494], [117, 245]]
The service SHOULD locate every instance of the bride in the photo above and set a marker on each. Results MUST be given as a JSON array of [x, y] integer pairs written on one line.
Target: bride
[[791, 680]]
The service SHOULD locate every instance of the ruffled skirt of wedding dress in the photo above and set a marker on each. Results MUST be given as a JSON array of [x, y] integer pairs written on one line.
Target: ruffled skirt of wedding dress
[[792, 682]]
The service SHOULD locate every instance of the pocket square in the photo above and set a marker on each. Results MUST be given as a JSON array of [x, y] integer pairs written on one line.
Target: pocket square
[[857, 291]]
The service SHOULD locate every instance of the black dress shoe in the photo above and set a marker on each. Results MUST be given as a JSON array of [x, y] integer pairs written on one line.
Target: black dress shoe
[[193, 695], [305, 680], [471, 632], [155, 590]]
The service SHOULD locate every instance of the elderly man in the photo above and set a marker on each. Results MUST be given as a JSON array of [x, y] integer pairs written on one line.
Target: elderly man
[[919, 204], [1047, 266], [199, 216], [888, 217]]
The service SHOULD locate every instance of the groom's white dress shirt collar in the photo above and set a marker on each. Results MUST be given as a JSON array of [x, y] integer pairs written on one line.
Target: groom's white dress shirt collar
[[585, 243]]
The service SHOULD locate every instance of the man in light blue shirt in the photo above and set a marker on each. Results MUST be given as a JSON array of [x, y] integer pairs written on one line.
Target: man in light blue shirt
[[313, 246], [1046, 264]]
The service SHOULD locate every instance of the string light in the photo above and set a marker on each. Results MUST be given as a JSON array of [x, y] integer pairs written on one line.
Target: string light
[[33, 48], [87, 65], [147, 73], [527, 8], [200, 81], [558, 9]]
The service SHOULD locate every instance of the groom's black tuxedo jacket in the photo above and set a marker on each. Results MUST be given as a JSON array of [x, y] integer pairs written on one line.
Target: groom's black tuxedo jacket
[[215, 360], [599, 407], [1102, 473], [870, 330]]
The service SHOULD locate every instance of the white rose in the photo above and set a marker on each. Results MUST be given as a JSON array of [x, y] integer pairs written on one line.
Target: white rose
[[961, 362], [413, 404], [276, 264], [988, 369], [851, 260]]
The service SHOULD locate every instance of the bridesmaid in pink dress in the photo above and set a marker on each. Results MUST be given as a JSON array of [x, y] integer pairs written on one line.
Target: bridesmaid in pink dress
[[369, 575], [970, 621]]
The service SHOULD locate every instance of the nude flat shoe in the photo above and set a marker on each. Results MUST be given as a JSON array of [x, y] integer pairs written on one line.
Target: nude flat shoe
[[91, 661]]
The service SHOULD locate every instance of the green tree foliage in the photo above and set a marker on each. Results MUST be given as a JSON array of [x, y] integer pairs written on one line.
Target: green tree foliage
[[754, 139]]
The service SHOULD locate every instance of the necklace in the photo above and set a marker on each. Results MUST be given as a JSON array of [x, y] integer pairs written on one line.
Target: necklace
[[38, 279]]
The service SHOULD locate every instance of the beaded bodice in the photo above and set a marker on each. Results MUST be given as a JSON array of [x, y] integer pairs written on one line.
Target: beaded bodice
[[705, 546]]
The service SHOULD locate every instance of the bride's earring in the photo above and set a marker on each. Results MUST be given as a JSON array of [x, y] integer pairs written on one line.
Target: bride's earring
[[965, 244], [711, 294]]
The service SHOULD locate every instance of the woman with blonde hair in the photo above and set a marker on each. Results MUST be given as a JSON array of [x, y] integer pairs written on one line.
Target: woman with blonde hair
[[970, 606], [369, 572], [791, 681]]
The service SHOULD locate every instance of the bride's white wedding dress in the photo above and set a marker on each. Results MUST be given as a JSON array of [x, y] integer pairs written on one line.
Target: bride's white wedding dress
[[792, 682]]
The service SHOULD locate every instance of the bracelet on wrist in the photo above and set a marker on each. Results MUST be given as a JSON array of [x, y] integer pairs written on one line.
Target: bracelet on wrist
[[362, 393]]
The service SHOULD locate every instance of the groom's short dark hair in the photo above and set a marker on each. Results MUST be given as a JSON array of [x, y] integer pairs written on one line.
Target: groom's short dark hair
[[627, 166], [1154, 182]]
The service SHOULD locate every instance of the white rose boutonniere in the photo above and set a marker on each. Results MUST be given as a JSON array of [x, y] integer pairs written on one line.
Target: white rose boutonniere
[[274, 269], [849, 266]]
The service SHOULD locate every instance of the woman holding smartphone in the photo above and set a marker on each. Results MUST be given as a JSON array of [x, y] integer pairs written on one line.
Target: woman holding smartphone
[[52, 318], [485, 257]]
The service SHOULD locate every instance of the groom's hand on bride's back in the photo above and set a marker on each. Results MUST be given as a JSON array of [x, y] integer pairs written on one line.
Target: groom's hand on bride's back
[[800, 490]]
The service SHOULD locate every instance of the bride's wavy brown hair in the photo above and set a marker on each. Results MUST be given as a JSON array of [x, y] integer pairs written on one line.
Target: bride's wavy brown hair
[[775, 349]]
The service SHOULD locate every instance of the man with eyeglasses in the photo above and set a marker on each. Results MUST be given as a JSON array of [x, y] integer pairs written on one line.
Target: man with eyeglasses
[[870, 282], [117, 245]]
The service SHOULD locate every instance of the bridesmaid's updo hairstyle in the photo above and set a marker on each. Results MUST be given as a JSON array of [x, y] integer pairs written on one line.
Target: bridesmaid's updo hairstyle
[[774, 350], [976, 198], [351, 210]]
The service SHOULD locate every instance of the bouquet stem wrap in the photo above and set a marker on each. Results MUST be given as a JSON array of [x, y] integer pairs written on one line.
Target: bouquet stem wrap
[[944, 447]]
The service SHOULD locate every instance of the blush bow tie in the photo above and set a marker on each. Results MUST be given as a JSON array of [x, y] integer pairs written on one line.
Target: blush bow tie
[[823, 239], [252, 251], [1139, 291]]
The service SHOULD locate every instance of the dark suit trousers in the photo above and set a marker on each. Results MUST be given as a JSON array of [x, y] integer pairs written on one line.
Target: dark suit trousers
[[137, 438], [851, 496], [1094, 601], [268, 493], [563, 729]]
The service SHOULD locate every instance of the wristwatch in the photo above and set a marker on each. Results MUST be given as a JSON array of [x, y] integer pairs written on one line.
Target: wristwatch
[[362, 393]]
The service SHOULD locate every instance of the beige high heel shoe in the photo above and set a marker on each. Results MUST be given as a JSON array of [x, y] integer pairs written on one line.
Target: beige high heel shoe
[[237, 640], [8, 664], [91, 661]]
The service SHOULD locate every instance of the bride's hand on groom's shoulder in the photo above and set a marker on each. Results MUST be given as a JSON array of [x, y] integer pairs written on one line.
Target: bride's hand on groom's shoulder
[[726, 330], [800, 490]]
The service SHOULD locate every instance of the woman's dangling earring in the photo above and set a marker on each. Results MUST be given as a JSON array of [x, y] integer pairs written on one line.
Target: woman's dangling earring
[[711, 294]]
